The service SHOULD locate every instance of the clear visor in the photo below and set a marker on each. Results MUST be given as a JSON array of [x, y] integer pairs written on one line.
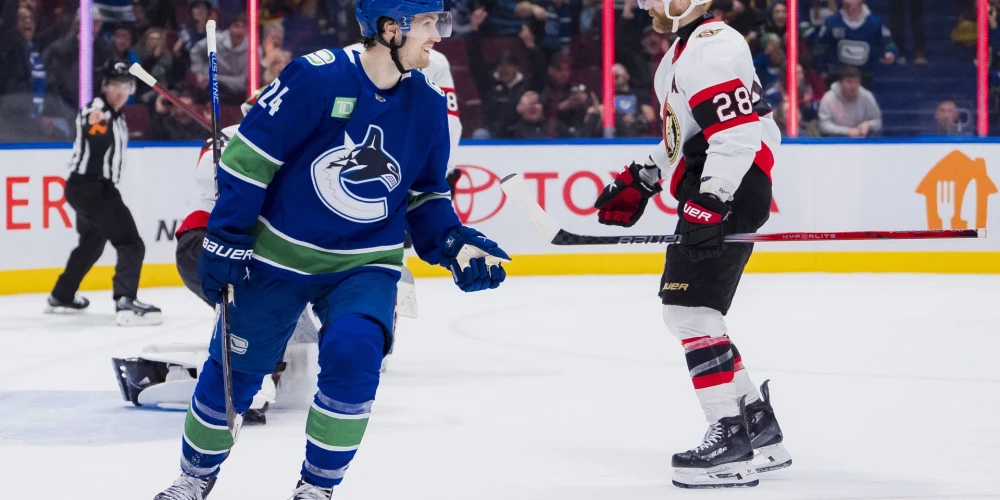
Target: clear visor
[[429, 25], [650, 4]]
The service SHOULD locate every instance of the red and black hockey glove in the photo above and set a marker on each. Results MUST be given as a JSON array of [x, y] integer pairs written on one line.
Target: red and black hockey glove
[[701, 227], [622, 202]]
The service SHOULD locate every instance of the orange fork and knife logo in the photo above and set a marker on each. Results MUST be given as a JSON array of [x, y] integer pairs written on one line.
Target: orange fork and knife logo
[[957, 191]]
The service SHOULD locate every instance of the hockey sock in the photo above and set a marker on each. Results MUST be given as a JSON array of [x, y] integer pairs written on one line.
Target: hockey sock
[[207, 440], [350, 355], [710, 364], [744, 386]]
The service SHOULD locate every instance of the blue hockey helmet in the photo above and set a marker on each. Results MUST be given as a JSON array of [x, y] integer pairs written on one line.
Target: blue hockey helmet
[[403, 11]]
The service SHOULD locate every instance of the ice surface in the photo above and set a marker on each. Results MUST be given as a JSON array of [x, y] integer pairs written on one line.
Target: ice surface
[[551, 388]]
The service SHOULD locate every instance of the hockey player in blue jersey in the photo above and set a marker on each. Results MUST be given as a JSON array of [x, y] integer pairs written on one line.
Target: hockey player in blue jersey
[[343, 153]]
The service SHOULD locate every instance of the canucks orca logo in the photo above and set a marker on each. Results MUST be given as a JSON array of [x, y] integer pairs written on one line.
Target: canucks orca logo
[[340, 172]]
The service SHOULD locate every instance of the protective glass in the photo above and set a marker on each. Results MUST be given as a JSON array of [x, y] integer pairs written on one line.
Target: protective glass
[[427, 25]]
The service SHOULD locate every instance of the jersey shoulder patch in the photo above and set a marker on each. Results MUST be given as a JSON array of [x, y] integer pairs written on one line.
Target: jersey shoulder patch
[[320, 57]]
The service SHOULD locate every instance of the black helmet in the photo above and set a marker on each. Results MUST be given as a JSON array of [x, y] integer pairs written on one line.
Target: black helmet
[[116, 70]]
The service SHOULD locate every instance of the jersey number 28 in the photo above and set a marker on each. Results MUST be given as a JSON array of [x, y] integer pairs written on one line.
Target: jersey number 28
[[724, 103]]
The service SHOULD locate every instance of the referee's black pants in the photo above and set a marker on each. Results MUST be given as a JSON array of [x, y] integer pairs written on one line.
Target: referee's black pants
[[101, 216]]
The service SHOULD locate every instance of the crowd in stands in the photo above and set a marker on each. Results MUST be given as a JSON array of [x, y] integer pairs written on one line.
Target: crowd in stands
[[524, 69]]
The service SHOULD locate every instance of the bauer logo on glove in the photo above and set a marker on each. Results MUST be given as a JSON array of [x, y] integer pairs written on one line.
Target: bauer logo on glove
[[226, 252]]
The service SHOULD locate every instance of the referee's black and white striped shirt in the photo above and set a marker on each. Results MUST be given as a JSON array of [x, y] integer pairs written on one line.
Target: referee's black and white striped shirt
[[99, 149]]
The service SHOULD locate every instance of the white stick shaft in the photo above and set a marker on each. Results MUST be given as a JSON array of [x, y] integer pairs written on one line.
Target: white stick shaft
[[210, 35]]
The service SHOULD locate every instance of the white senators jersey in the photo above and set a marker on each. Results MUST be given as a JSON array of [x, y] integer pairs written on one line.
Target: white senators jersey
[[438, 72], [714, 117]]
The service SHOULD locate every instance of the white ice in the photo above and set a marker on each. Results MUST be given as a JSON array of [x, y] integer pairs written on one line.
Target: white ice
[[887, 387]]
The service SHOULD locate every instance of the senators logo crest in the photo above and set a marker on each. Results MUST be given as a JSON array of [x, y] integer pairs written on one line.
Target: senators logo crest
[[671, 134]]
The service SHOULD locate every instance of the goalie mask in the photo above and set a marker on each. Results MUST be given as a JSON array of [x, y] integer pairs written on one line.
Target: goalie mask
[[665, 5]]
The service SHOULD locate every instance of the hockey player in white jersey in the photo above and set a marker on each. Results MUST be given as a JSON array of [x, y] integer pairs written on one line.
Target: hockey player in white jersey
[[716, 156]]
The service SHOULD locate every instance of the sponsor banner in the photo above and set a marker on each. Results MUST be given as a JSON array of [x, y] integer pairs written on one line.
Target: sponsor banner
[[816, 188]]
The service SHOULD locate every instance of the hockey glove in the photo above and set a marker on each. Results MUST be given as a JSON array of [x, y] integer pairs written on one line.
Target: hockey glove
[[701, 227], [224, 260], [474, 261], [623, 201]]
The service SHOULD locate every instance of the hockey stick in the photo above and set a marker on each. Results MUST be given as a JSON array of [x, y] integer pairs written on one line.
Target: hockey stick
[[148, 79], [233, 420], [522, 198]]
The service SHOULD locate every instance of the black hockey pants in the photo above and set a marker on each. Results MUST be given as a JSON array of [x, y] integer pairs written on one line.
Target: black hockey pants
[[101, 216]]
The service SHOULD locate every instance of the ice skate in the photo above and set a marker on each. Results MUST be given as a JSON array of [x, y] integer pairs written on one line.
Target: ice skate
[[307, 491], [765, 434], [56, 306], [131, 312], [723, 460], [187, 488]]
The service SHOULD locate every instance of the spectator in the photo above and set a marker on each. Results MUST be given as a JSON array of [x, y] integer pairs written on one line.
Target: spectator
[[461, 15], [141, 23], [556, 88], [898, 25], [947, 117], [633, 114], [62, 67], [590, 18], [559, 25], [191, 33], [531, 122], [776, 20], [272, 43], [232, 54], [500, 89], [819, 10], [278, 62], [121, 39], [172, 123], [160, 13], [504, 17], [22, 81], [848, 109], [154, 56], [851, 36]]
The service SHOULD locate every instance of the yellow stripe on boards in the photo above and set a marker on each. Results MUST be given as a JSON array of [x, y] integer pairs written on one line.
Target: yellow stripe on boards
[[761, 262], [99, 278]]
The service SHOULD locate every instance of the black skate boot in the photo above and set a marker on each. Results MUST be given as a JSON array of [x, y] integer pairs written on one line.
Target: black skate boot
[[56, 306], [187, 488], [765, 434], [307, 491], [131, 312], [723, 460]]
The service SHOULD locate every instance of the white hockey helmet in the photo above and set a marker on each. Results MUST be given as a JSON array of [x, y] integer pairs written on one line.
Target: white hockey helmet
[[651, 4]]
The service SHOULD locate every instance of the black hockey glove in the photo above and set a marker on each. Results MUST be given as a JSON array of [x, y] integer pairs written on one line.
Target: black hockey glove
[[701, 227]]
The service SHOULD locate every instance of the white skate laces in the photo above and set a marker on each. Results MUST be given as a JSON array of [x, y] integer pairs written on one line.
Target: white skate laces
[[307, 491], [184, 488], [712, 436]]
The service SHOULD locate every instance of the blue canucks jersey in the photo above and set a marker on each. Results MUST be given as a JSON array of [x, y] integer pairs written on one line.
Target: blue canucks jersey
[[328, 171]]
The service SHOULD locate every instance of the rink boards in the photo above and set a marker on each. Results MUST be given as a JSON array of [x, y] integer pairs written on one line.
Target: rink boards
[[817, 187]]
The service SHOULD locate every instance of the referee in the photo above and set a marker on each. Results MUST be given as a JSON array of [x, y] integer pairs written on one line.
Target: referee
[[101, 216]]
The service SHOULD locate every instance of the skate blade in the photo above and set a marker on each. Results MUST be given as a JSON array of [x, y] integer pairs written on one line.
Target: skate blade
[[62, 310], [771, 458], [734, 475], [130, 318]]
